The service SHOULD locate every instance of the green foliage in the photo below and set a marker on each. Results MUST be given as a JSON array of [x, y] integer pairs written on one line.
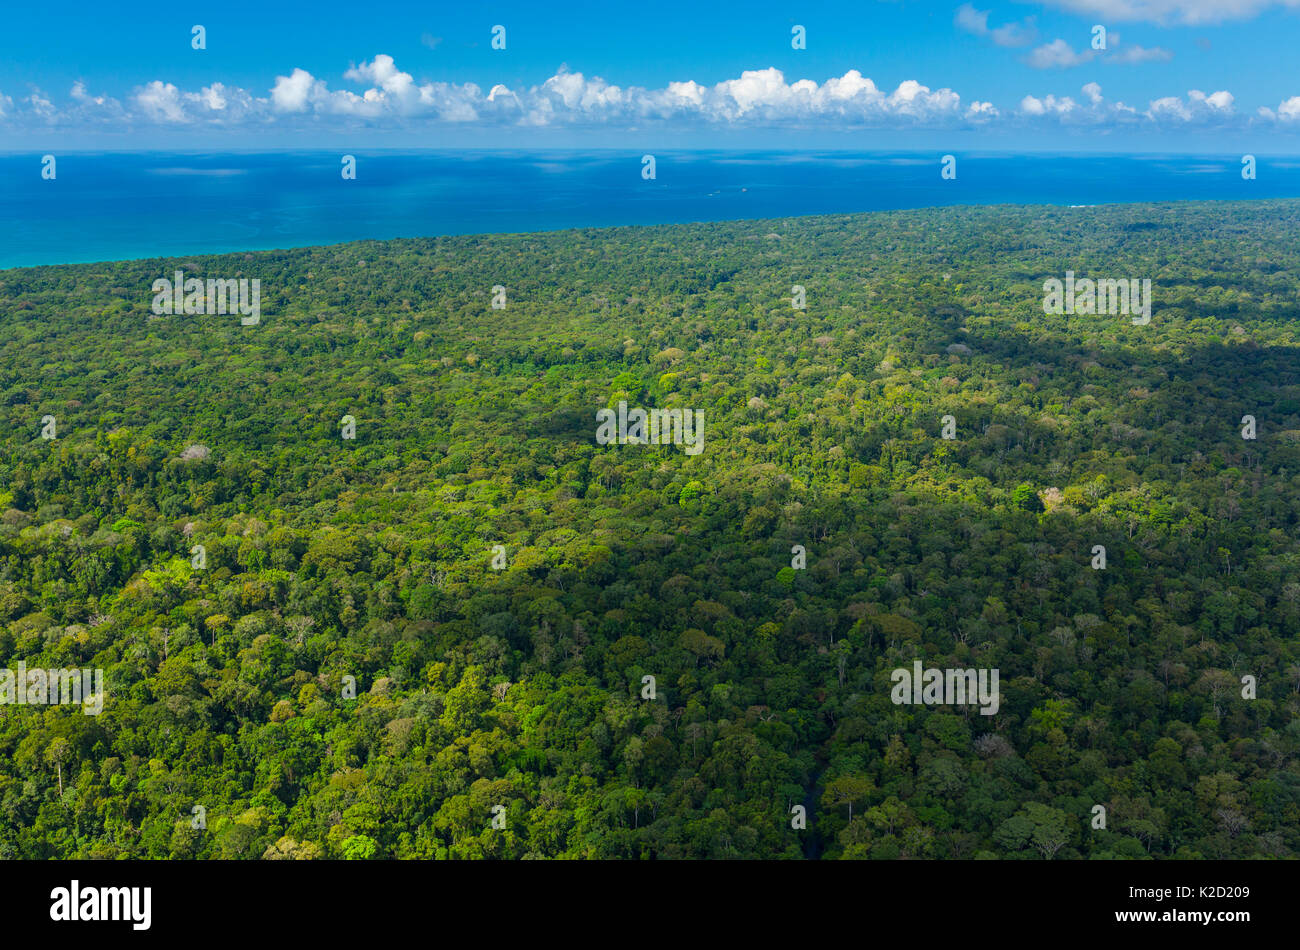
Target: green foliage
[[522, 687]]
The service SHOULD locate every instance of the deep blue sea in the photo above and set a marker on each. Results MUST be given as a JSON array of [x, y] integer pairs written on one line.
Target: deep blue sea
[[112, 206]]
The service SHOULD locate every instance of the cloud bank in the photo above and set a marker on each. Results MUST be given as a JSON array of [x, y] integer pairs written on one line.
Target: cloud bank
[[376, 93]]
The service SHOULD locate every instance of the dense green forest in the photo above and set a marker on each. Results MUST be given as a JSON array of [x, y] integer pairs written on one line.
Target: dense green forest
[[372, 558]]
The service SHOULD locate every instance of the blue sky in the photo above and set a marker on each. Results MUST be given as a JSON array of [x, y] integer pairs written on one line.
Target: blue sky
[[1195, 75]]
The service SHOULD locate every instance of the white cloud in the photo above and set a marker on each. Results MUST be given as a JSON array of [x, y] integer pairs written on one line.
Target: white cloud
[[972, 20], [1197, 109], [212, 96], [292, 93], [384, 95], [1058, 55], [161, 102], [1287, 111], [756, 96], [580, 95], [89, 108], [389, 85], [78, 92], [1009, 34], [1169, 107], [1220, 101], [40, 105], [1033, 106], [1187, 12]]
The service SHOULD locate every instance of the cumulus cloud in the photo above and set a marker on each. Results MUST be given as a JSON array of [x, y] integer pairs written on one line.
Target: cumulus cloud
[[164, 103], [1051, 105], [1220, 101], [378, 93], [384, 93], [755, 97], [1287, 111], [570, 97], [88, 108], [161, 102], [391, 92], [387, 81], [579, 95], [293, 92], [1197, 109]]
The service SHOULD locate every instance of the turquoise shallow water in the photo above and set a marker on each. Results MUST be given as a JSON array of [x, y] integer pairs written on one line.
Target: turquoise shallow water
[[111, 206]]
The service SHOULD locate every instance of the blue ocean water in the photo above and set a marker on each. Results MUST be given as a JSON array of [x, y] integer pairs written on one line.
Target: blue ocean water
[[113, 206]]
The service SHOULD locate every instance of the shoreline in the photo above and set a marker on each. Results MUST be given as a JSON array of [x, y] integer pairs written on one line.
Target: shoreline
[[551, 232]]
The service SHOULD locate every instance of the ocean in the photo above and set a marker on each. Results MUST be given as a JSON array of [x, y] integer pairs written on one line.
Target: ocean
[[113, 206]]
